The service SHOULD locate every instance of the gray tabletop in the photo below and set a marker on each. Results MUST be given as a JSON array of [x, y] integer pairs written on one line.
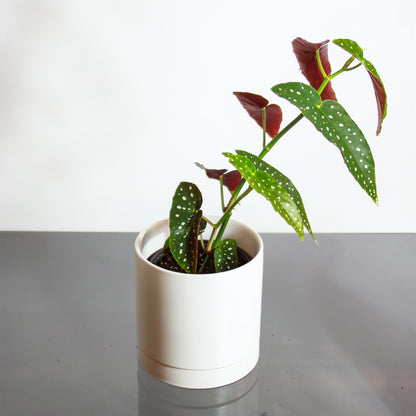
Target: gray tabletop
[[338, 330]]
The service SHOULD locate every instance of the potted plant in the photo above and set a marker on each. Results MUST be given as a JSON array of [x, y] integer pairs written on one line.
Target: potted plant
[[199, 278]]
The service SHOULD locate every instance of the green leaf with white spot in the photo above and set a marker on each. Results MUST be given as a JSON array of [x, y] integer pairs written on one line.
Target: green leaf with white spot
[[266, 185], [381, 97], [283, 181], [225, 255], [184, 219], [331, 119], [351, 47]]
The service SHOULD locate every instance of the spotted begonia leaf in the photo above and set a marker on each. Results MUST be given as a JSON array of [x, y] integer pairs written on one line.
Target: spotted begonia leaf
[[380, 93], [184, 219], [254, 105], [331, 119], [266, 185], [284, 182], [225, 255], [229, 179], [306, 55]]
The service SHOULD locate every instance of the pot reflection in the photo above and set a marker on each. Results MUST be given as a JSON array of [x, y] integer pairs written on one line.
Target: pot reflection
[[156, 398]]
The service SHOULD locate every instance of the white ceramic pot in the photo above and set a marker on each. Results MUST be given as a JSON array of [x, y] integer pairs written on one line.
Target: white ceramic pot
[[198, 331]]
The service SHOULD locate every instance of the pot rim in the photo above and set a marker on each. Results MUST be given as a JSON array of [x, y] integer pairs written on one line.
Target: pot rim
[[142, 233]]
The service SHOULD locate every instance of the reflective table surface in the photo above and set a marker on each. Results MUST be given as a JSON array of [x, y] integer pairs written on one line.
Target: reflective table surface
[[338, 330]]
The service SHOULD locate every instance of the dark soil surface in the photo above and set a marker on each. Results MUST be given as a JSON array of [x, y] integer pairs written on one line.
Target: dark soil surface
[[165, 260]]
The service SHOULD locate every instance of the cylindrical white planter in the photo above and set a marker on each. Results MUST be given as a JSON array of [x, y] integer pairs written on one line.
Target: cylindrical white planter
[[198, 331]]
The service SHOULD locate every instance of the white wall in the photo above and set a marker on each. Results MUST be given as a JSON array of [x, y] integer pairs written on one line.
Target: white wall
[[105, 105]]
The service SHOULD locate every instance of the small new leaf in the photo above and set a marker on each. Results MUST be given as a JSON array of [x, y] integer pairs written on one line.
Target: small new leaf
[[331, 119], [225, 255], [184, 219], [379, 91]]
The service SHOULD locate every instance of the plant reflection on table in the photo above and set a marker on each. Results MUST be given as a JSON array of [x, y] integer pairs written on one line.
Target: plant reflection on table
[[156, 398]]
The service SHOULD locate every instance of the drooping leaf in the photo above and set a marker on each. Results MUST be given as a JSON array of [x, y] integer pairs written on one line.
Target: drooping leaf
[[225, 255], [184, 219], [380, 93], [254, 105], [331, 119], [306, 55], [283, 181], [229, 179], [266, 185]]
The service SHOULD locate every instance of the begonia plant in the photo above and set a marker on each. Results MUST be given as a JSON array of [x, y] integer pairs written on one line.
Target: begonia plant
[[318, 104]]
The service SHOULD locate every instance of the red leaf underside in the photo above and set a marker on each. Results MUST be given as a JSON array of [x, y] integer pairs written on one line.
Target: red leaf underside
[[273, 119], [215, 173], [254, 104], [381, 99], [231, 180], [306, 55]]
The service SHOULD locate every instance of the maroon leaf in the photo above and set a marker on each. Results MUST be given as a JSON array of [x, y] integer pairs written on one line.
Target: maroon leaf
[[215, 173], [381, 99], [273, 119], [254, 104], [231, 180], [306, 55]]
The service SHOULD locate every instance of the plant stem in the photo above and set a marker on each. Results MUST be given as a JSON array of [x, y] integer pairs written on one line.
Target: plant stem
[[263, 119], [209, 222], [234, 203], [211, 240], [282, 132], [227, 215], [222, 193], [204, 264], [321, 67]]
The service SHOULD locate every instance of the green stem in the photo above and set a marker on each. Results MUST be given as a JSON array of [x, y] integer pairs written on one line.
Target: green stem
[[352, 68], [222, 193], [209, 222], [204, 263], [222, 224], [202, 242], [263, 119], [235, 202], [321, 67], [282, 132], [211, 240], [222, 230], [328, 78]]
